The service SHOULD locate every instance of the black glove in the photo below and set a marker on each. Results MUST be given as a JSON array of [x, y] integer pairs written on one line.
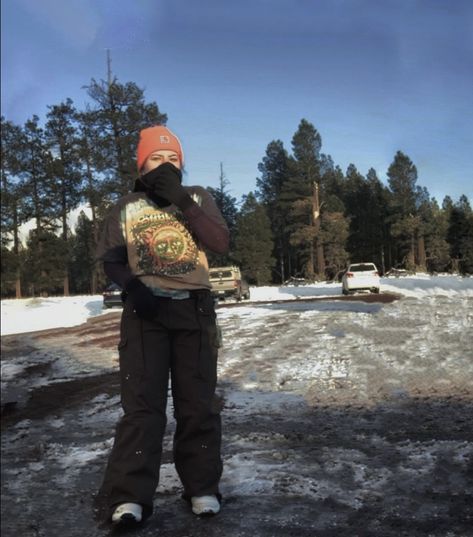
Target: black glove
[[142, 299], [165, 182]]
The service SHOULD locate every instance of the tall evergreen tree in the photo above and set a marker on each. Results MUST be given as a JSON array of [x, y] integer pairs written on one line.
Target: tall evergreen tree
[[435, 227], [333, 182], [82, 257], [357, 201], [12, 206], [274, 173], [38, 196], [365, 202], [379, 226], [460, 236], [402, 180], [45, 262], [61, 135], [300, 198], [253, 242], [406, 224], [447, 205], [120, 113], [93, 189], [227, 205], [36, 163], [334, 234]]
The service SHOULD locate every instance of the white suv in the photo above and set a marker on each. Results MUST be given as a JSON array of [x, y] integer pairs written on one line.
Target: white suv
[[360, 277]]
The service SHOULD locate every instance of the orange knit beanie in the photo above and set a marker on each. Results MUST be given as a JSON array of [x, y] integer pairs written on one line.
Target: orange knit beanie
[[156, 138]]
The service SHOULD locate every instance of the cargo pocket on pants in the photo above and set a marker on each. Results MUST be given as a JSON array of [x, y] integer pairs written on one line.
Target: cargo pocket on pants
[[131, 347]]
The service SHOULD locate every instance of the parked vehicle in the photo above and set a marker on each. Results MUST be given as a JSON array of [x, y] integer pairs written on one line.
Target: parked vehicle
[[360, 277], [228, 282], [112, 296]]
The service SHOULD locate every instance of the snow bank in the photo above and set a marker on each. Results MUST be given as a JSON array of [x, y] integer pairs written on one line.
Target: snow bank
[[32, 314], [29, 315], [294, 292], [424, 285], [419, 285]]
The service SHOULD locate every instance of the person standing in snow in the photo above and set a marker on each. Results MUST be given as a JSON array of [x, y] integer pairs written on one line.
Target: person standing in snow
[[152, 247]]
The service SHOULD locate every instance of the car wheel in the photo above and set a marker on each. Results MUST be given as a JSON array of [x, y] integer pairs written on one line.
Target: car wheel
[[375, 290]]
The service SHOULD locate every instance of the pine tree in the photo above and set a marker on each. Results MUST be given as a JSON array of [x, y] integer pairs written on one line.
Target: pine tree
[[62, 138], [10, 265], [333, 182], [447, 205], [227, 206], [365, 203], [38, 182], [120, 113], [300, 198], [253, 242], [402, 175], [357, 201], [406, 224], [12, 206], [45, 262], [379, 227], [435, 224], [460, 236], [334, 234], [82, 259], [274, 173], [93, 190], [38, 197]]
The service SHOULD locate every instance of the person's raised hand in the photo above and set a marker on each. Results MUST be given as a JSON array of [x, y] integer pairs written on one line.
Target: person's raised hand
[[165, 182]]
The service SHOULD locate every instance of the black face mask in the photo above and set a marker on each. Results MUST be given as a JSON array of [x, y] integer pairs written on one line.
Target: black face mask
[[146, 182]]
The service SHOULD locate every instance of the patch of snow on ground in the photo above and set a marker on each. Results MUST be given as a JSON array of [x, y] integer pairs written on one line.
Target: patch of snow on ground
[[424, 285], [33, 314]]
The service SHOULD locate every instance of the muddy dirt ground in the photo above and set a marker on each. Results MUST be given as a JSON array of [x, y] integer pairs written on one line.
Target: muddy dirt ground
[[296, 463]]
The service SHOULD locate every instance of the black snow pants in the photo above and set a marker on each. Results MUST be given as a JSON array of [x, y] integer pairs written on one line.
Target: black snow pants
[[181, 340]]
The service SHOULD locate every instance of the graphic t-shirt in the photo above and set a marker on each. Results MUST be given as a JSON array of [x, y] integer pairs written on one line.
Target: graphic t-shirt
[[157, 243]]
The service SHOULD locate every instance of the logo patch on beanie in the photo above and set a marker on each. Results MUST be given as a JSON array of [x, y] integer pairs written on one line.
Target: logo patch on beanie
[[164, 139]]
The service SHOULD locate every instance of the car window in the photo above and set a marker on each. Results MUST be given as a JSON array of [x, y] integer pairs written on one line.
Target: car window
[[113, 287], [362, 268], [221, 274]]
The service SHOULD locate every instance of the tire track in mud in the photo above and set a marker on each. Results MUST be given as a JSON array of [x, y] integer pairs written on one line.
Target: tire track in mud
[[86, 352], [383, 298]]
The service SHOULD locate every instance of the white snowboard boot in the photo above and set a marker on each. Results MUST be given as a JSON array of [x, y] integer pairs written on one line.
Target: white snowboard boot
[[127, 513], [205, 505]]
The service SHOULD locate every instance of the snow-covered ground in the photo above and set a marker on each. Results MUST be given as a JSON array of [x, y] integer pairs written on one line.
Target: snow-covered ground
[[31, 314], [340, 417]]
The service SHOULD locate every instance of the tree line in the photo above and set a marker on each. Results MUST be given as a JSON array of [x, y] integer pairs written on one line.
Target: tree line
[[305, 218]]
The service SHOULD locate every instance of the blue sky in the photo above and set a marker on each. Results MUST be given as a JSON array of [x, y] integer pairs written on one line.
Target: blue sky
[[372, 76]]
